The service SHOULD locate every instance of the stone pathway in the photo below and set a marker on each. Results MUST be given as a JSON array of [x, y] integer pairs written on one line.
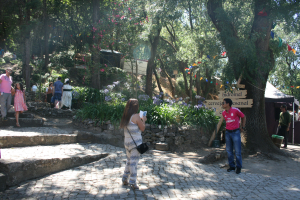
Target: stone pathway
[[160, 176], [54, 151], [31, 131]]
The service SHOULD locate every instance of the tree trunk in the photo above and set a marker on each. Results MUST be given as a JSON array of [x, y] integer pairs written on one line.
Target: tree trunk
[[255, 75], [256, 136], [191, 85], [157, 80], [198, 83], [26, 48], [182, 66], [95, 78], [168, 76], [150, 65], [46, 29], [26, 65]]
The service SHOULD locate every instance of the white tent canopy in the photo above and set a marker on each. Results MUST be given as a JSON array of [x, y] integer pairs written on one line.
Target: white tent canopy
[[274, 95]]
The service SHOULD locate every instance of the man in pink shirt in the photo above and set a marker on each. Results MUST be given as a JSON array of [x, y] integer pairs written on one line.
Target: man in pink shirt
[[5, 89], [233, 135]]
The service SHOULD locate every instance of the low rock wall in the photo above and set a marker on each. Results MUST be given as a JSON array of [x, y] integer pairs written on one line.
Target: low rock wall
[[182, 138], [44, 109]]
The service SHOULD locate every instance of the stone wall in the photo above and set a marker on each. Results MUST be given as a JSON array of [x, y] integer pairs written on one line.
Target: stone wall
[[44, 109], [179, 139], [31, 96]]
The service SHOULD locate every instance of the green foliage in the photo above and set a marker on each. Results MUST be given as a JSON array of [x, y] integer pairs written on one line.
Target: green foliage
[[86, 94], [102, 112], [7, 59], [2, 61], [163, 114], [158, 112]]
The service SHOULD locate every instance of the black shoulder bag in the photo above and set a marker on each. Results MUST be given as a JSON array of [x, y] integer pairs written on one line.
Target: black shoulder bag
[[142, 148]]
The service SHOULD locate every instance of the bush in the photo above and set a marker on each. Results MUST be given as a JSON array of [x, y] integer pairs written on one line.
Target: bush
[[2, 61], [158, 112]]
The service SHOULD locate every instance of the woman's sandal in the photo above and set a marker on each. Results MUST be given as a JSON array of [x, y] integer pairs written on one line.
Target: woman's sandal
[[134, 186], [125, 182], [17, 124]]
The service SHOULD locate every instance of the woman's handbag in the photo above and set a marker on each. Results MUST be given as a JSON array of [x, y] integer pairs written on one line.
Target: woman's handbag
[[142, 148]]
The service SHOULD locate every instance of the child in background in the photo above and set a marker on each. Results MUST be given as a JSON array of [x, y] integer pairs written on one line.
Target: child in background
[[19, 102]]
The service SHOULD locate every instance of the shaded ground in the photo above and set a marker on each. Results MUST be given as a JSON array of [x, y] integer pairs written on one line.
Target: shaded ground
[[161, 175], [265, 164]]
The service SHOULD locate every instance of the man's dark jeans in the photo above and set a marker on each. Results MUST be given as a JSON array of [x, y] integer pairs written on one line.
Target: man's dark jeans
[[282, 131], [233, 140]]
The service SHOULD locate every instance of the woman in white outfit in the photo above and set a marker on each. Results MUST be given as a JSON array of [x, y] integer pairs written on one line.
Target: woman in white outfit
[[66, 98], [132, 122]]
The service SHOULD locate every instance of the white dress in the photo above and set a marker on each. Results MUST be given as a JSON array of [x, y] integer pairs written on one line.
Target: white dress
[[67, 96]]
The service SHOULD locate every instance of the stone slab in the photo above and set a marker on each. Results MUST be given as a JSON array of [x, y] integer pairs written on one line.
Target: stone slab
[[21, 170], [24, 122], [23, 115], [22, 141], [162, 146], [3, 179]]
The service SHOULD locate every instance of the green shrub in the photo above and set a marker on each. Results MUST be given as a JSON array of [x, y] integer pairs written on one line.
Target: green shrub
[[2, 61], [7, 59], [163, 114]]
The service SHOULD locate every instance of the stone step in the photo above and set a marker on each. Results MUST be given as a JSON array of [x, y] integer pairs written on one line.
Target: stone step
[[23, 115], [23, 141], [24, 122], [20, 164], [162, 146], [3, 179]]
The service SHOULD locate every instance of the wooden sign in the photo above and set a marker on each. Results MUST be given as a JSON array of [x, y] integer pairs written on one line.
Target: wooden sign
[[80, 66], [240, 86], [232, 95], [238, 103], [175, 72]]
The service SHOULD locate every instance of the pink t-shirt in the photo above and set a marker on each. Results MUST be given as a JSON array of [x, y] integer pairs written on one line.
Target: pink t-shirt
[[232, 118], [5, 85]]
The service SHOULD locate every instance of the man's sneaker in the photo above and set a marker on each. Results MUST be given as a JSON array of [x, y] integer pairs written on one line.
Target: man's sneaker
[[4, 119], [231, 169], [238, 170]]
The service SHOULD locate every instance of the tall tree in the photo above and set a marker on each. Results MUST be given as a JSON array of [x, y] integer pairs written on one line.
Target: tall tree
[[247, 44]]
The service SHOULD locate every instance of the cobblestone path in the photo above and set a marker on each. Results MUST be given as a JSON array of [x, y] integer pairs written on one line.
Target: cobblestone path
[[160, 176]]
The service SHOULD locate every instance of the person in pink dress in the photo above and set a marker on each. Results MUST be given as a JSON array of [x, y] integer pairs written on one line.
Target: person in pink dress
[[19, 101]]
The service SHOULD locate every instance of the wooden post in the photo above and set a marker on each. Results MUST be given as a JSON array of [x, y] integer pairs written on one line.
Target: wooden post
[[215, 131], [136, 78]]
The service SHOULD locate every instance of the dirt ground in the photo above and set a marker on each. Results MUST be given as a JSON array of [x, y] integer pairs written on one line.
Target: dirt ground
[[259, 163]]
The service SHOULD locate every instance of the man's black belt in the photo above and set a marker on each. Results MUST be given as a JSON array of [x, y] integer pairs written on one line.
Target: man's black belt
[[67, 89], [230, 131]]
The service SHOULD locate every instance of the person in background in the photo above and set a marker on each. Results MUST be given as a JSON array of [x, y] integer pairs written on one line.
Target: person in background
[[49, 92], [284, 124], [1, 52], [19, 101], [14, 56], [34, 88], [233, 134], [6, 91], [57, 92], [132, 122], [66, 99]]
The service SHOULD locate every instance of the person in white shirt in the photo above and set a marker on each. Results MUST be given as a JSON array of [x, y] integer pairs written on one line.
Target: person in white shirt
[[67, 95], [34, 88]]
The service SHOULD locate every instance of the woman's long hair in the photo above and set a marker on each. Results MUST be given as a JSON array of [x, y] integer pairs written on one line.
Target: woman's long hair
[[131, 108]]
